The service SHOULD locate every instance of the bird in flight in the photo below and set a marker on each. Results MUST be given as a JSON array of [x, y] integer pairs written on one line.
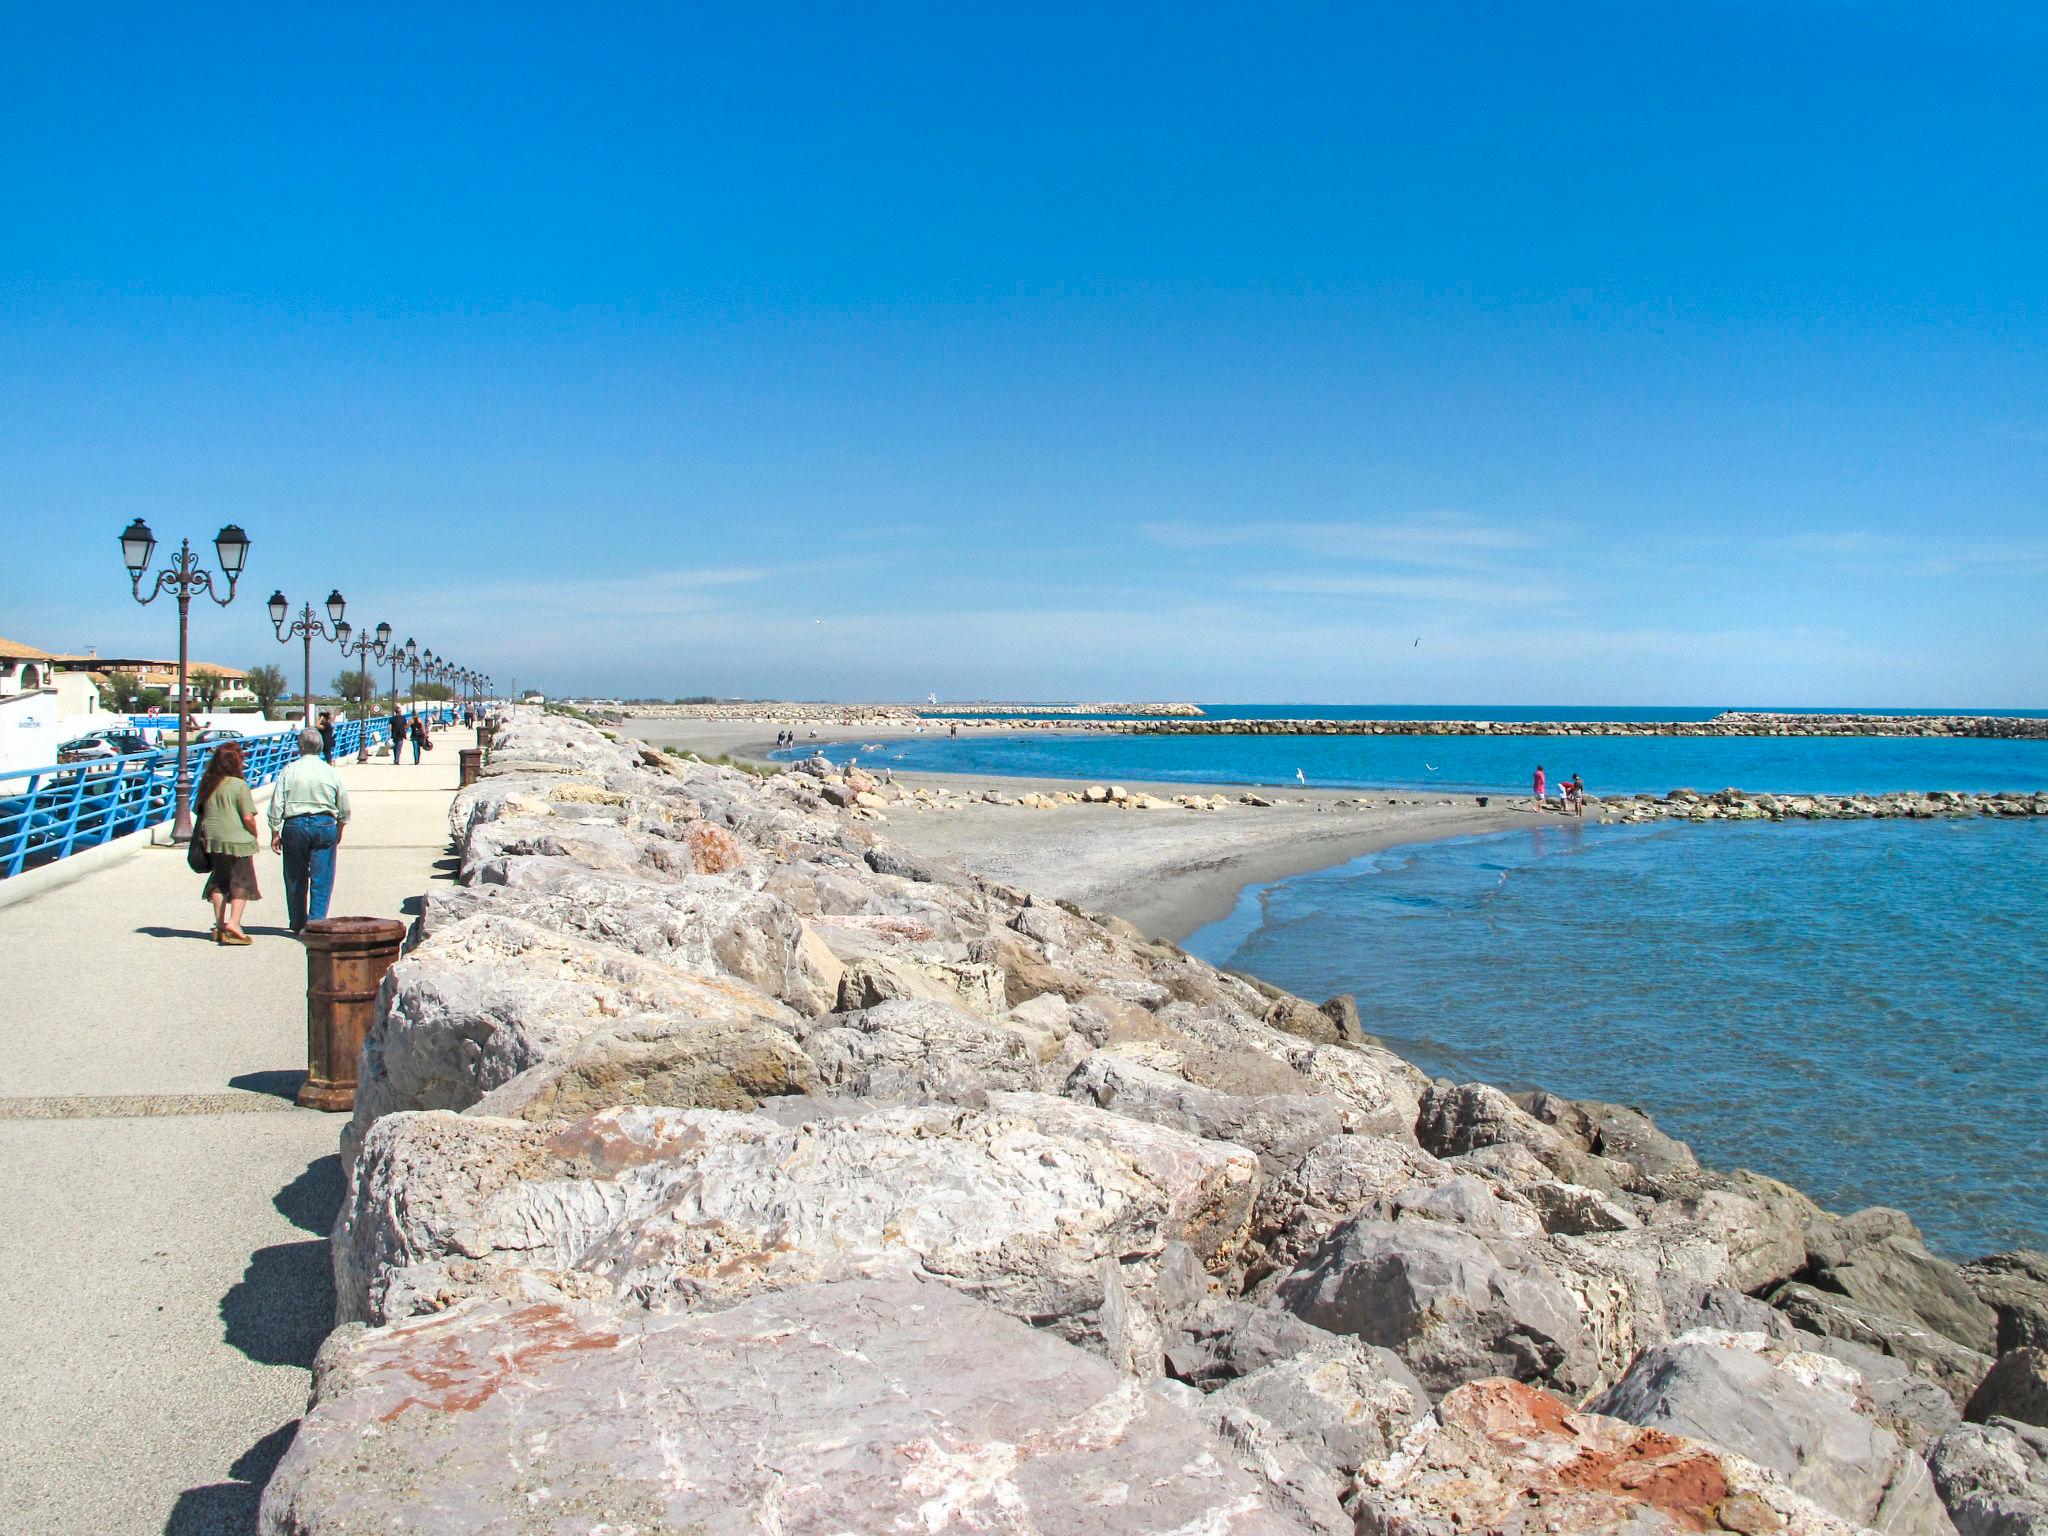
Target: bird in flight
[[1418, 641]]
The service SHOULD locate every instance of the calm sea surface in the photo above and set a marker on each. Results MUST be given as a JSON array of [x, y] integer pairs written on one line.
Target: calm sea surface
[[1860, 1008], [1485, 764]]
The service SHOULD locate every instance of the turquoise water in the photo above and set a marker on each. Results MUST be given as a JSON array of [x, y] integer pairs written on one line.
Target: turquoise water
[[1859, 1008], [1483, 764]]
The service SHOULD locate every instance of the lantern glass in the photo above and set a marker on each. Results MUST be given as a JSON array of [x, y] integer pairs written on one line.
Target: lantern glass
[[137, 542], [337, 605], [342, 631], [383, 634], [232, 545], [278, 608]]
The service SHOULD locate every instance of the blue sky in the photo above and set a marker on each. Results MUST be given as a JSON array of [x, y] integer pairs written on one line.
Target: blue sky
[[1684, 352]]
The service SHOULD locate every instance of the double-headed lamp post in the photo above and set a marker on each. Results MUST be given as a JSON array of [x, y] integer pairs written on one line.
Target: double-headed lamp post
[[184, 576], [305, 627], [365, 646]]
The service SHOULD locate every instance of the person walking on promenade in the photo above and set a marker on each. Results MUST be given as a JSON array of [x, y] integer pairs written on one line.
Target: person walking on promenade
[[1540, 785], [397, 733], [308, 810], [420, 738], [227, 828], [327, 735]]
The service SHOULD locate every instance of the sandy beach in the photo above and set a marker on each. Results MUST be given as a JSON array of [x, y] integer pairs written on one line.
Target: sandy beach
[[1168, 872]]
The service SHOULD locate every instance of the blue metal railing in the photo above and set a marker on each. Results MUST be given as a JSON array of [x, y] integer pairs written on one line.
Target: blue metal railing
[[51, 813]]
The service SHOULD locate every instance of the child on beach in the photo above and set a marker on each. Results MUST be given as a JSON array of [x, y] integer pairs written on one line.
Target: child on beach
[[1541, 784]]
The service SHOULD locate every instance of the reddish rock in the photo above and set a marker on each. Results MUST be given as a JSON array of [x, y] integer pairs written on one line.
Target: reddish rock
[[1510, 1458]]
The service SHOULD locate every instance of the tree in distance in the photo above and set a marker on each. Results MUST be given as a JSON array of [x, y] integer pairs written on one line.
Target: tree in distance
[[121, 693], [268, 684], [353, 689]]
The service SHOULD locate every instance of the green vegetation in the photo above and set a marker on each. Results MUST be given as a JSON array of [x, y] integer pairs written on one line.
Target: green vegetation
[[268, 684]]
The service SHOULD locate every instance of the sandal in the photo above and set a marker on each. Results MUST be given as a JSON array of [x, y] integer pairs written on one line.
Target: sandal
[[236, 938]]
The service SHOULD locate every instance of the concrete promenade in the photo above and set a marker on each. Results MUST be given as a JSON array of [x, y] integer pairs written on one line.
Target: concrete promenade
[[165, 1205]]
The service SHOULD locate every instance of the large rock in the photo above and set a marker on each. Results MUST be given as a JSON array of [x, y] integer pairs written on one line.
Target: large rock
[[2015, 1286], [1279, 1127], [1465, 1117], [1344, 1402], [715, 925], [935, 1050], [1502, 1457], [1809, 1418], [1454, 1306], [1941, 1360], [1994, 1478], [1043, 1207], [861, 1406], [1897, 1277], [2017, 1388]]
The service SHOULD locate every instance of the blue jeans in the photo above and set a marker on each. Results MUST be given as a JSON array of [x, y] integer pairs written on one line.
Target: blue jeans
[[415, 749], [309, 843]]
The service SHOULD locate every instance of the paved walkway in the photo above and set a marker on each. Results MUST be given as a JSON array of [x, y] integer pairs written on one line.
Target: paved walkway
[[165, 1205]]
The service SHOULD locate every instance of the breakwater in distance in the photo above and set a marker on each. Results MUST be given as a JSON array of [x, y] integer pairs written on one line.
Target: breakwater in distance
[[1982, 727], [719, 1164]]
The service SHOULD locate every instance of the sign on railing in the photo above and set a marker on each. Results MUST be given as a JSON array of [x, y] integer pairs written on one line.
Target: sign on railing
[[51, 813]]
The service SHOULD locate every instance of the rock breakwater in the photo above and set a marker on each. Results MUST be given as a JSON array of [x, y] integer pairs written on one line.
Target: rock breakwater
[[1745, 805], [719, 1166], [1995, 727]]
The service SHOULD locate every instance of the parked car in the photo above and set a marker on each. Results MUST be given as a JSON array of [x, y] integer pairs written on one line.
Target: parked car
[[102, 744], [216, 733]]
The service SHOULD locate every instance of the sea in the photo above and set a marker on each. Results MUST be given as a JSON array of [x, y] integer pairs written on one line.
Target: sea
[[1857, 1008]]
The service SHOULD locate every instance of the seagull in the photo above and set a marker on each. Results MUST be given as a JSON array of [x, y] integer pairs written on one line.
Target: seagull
[[1301, 778], [1430, 766], [1418, 641]]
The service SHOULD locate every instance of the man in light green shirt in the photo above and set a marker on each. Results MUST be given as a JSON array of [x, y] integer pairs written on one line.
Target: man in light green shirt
[[308, 809]]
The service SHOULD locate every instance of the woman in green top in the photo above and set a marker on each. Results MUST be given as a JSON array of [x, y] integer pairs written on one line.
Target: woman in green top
[[227, 824]]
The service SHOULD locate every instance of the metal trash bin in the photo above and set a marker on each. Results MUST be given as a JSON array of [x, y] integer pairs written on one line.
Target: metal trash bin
[[346, 958], [472, 765]]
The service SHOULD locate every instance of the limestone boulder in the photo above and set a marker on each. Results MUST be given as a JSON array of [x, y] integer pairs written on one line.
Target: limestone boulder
[[1897, 1277], [936, 1051], [1994, 1478], [1280, 1128], [490, 997], [1043, 1207], [1503, 1457], [2015, 1287], [1939, 1359], [1344, 1402], [858, 1406], [1464, 1117], [715, 925], [1454, 1306], [1807, 1417], [2016, 1388]]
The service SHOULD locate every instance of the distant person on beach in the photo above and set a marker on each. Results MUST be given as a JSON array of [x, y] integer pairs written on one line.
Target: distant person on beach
[[1575, 795], [420, 738], [327, 735], [308, 809], [1541, 785], [227, 827], [397, 733]]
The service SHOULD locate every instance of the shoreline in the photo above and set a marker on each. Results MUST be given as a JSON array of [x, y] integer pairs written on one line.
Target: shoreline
[[1169, 872]]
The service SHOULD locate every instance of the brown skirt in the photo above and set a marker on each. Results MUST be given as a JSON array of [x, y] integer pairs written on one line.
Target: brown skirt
[[234, 876]]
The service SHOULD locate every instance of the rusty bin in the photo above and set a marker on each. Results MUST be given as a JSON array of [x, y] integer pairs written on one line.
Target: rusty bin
[[472, 765], [346, 958]]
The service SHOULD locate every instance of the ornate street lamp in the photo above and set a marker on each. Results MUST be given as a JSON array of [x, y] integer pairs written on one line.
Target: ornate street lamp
[[306, 627], [365, 646], [413, 660], [184, 576]]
